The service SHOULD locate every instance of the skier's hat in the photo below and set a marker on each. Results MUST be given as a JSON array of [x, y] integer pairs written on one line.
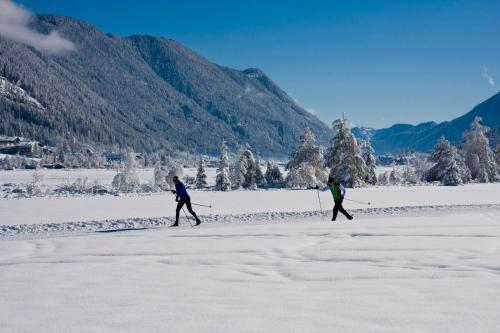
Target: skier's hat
[[331, 180]]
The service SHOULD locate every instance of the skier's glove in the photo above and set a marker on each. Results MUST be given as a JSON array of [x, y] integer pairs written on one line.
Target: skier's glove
[[173, 191]]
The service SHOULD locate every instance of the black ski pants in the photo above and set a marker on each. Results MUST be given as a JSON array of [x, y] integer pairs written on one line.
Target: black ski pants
[[338, 207], [180, 203]]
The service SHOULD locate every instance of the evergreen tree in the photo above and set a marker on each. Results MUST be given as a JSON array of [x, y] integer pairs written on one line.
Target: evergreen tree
[[409, 176], [449, 169], [394, 177], [201, 176], [497, 157], [222, 181], [368, 155], [478, 156], [239, 169], [301, 177], [250, 179], [343, 157], [306, 167], [273, 175], [383, 178], [260, 181]]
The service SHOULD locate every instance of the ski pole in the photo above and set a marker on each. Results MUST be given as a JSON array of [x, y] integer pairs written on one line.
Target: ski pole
[[187, 218], [360, 202], [320, 206], [196, 204]]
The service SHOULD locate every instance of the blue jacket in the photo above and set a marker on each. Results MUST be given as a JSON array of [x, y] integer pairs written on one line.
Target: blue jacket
[[181, 191]]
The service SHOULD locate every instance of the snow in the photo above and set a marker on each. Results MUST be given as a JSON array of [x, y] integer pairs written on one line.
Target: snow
[[15, 93], [425, 272], [418, 259], [73, 209], [104, 176]]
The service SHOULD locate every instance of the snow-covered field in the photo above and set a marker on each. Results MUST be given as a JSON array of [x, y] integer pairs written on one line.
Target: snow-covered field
[[72, 209], [402, 273], [418, 259]]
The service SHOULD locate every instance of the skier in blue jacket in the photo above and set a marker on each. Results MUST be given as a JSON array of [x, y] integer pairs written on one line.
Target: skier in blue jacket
[[182, 197]]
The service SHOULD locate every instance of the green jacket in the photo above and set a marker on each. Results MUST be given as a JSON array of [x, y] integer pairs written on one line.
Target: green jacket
[[336, 190]]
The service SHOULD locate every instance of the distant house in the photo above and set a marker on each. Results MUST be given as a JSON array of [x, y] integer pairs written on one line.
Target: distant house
[[24, 148], [113, 156], [9, 141]]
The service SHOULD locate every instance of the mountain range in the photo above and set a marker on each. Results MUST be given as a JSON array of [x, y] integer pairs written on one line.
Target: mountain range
[[423, 137], [144, 92], [153, 94]]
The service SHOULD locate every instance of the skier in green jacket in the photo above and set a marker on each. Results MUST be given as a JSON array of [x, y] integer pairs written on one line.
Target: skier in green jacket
[[338, 193]]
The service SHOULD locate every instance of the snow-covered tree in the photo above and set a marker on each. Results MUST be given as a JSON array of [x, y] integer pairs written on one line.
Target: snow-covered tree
[[245, 172], [222, 180], [368, 155], [273, 175], [240, 166], [383, 178], [201, 176], [343, 157], [302, 176], [306, 167], [250, 181], [33, 187], [174, 169], [160, 176], [394, 177], [421, 166], [449, 169], [497, 157], [127, 179], [409, 176], [478, 155], [258, 175]]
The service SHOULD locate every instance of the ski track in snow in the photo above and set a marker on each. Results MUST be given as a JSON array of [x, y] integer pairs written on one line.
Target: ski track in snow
[[424, 271], [131, 224]]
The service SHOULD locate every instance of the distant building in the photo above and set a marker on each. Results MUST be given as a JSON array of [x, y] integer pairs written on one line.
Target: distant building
[[24, 148], [113, 156], [9, 141]]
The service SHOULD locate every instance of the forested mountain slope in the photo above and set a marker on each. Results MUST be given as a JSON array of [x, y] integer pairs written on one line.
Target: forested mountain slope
[[149, 93]]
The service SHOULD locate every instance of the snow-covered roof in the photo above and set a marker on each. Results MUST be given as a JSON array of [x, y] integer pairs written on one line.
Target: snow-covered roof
[[27, 143], [10, 138]]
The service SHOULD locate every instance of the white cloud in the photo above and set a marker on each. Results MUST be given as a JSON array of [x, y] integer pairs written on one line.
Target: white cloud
[[14, 21], [488, 77], [310, 110]]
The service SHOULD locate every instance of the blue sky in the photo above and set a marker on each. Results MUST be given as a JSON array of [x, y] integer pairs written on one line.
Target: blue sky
[[381, 62]]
